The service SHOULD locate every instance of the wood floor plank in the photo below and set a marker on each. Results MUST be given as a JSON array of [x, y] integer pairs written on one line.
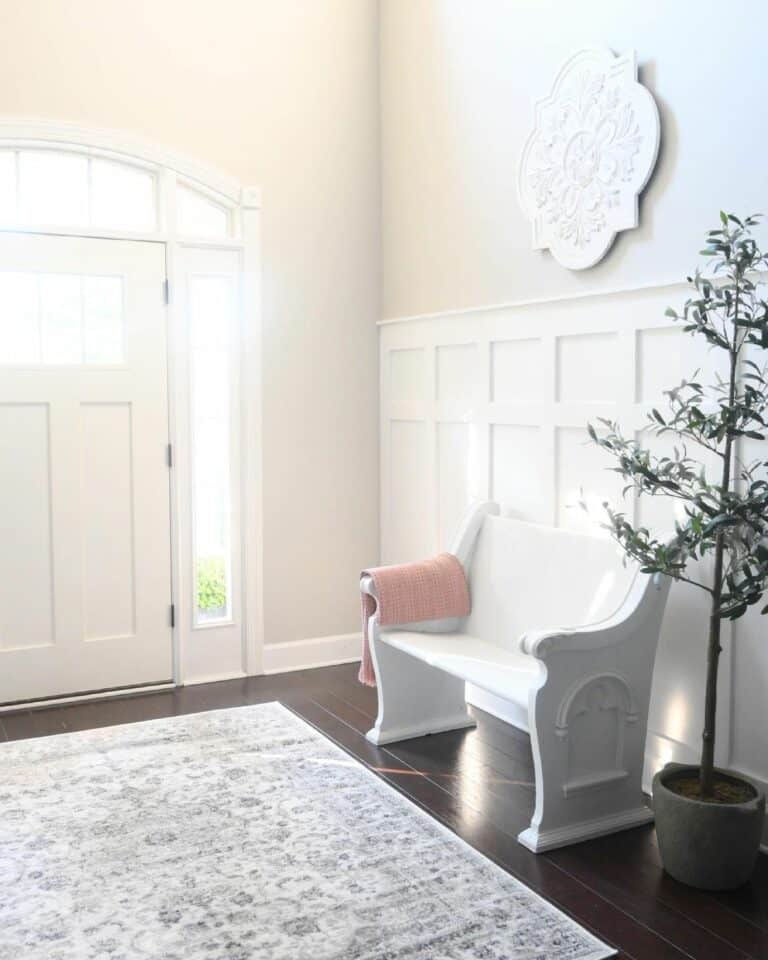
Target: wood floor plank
[[626, 890], [751, 901], [504, 800], [647, 880], [84, 715], [87, 715], [450, 753]]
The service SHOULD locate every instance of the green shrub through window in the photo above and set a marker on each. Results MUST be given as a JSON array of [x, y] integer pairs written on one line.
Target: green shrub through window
[[211, 586]]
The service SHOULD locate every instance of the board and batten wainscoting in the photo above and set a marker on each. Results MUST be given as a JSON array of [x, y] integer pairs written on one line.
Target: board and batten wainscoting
[[493, 403]]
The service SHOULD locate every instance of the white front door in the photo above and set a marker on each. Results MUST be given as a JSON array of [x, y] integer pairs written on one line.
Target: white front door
[[85, 569]]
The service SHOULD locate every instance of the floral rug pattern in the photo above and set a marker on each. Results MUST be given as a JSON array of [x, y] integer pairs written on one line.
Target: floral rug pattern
[[242, 834]]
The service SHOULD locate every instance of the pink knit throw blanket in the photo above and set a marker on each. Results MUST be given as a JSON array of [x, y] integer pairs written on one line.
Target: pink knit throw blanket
[[409, 592]]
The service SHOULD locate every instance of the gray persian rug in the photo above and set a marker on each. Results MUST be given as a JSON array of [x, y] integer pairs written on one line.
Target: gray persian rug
[[243, 834]]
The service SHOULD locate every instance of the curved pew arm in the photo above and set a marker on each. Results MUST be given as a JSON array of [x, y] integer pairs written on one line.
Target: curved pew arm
[[641, 600]]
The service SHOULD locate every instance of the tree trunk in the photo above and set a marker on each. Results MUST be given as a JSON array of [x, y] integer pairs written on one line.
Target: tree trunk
[[706, 770]]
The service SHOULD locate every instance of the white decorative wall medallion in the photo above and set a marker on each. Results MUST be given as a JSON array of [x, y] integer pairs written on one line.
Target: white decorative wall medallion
[[590, 154]]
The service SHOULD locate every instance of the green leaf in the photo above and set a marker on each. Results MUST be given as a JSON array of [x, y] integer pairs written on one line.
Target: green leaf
[[728, 310]]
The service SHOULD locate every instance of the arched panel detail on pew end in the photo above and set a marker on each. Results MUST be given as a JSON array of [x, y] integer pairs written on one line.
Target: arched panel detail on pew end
[[590, 721]]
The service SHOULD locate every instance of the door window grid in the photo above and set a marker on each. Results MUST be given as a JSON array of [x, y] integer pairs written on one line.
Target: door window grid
[[60, 319]]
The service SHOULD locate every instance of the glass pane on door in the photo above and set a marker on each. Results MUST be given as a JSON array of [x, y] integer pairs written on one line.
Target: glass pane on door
[[60, 319], [102, 320], [60, 315], [19, 319]]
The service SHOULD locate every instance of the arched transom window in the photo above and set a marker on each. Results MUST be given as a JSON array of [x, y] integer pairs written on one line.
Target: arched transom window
[[53, 187]]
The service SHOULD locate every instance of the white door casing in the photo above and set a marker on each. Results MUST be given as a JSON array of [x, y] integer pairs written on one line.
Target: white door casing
[[198, 211], [85, 558]]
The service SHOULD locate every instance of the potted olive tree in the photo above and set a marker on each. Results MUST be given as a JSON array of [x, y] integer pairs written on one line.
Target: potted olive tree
[[708, 820]]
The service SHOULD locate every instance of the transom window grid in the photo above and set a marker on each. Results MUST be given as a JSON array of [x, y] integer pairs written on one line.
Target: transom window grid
[[48, 187]]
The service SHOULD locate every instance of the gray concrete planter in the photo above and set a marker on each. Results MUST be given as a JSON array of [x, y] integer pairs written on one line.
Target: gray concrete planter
[[712, 846]]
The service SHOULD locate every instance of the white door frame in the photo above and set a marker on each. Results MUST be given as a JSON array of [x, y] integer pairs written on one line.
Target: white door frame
[[244, 205]]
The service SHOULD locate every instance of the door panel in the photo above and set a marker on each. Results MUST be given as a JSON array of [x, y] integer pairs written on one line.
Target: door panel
[[106, 463], [84, 493]]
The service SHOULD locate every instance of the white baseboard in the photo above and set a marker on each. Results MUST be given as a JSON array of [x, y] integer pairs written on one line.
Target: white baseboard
[[309, 654], [213, 678]]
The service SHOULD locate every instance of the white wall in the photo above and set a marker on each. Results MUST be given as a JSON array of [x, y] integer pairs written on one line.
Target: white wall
[[282, 95], [458, 84]]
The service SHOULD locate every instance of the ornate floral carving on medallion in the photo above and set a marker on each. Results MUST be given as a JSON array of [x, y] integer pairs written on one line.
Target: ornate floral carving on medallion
[[591, 152]]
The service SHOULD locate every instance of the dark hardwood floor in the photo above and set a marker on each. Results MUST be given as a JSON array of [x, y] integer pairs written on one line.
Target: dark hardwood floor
[[480, 783]]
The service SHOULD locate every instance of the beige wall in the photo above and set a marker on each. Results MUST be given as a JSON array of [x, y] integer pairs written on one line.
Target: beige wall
[[281, 94]]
